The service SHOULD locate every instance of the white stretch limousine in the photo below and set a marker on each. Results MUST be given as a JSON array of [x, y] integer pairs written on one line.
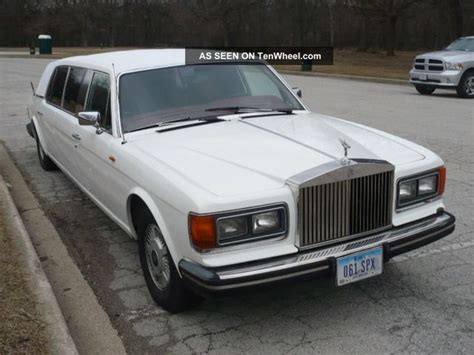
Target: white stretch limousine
[[224, 177]]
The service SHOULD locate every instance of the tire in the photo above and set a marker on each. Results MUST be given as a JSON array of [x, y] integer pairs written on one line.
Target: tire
[[465, 88], [425, 89], [45, 161], [164, 283]]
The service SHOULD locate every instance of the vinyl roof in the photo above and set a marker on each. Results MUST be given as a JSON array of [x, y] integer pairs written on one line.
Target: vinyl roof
[[129, 60]]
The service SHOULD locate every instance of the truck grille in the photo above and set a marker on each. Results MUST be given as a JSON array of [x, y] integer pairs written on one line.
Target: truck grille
[[345, 209], [431, 65]]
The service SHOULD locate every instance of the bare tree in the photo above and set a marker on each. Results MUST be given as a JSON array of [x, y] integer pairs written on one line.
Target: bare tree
[[365, 24], [389, 12]]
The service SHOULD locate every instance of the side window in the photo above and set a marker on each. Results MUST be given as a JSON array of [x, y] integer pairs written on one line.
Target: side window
[[73, 100], [99, 98], [56, 86]]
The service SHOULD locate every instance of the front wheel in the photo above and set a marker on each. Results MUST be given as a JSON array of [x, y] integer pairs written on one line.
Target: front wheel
[[164, 283], [465, 88], [425, 89]]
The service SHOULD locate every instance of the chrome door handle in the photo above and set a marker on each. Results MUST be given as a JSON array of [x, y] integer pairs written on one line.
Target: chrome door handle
[[76, 136]]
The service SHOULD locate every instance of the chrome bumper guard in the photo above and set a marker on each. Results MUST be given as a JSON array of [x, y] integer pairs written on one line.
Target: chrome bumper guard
[[395, 241]]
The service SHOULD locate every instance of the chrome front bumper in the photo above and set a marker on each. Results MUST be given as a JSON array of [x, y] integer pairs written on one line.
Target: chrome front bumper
[[448, 78], [395, 241]]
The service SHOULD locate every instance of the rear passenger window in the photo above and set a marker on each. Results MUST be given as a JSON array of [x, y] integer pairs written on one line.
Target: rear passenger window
[[73, 97], [56, 86], [98, 98]]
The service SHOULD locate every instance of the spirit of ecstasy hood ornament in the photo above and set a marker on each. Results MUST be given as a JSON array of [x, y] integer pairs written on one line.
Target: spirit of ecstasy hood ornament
[[345, 160]]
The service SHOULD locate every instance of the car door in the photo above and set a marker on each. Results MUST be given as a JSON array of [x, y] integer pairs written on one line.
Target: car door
[[48, 111], [66, 123], [95, 151]]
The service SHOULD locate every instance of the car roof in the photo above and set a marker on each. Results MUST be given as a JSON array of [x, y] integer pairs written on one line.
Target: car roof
[[128, 60]]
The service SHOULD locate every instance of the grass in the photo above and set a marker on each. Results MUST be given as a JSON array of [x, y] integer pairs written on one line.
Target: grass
[[346, 61], [21, 328], [372, 64]]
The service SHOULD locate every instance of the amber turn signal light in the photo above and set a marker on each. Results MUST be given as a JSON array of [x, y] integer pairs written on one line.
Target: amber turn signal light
[[442, 180], [203, 231]]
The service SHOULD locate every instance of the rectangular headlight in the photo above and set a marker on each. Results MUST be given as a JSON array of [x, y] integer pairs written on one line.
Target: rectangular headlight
[[407, 191], [233, 227], [419, 188], [428, 185], [251, 225], [266, 222]]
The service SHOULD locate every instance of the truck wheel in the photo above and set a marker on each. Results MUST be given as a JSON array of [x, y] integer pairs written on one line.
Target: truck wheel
[[465, 88], [425, 89], [45, 161], [164, 283]]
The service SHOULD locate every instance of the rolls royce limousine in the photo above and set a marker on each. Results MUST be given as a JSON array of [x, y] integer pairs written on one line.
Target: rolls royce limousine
[[226, 179]]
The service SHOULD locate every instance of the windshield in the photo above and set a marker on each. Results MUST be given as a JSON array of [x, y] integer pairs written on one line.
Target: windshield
[[462, 44], [160, 95]]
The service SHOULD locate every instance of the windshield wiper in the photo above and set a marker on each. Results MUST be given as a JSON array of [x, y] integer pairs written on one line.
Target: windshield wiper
[[167, 123], [240, 109]]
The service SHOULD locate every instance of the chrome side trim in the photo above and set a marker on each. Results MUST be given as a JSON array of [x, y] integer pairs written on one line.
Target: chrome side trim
[[340, 250]]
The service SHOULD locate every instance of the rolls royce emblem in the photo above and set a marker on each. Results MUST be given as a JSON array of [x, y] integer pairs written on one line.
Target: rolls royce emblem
[[345, 160]]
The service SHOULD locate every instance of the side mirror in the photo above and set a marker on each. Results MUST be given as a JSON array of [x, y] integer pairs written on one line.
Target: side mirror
[[298, 92], [89, 118]]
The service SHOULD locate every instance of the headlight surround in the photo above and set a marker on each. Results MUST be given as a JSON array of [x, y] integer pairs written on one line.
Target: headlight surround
[[235, 227], [421, 187], [454, 66]]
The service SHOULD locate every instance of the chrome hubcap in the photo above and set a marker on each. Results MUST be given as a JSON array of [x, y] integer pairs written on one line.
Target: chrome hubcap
[[470, 85], [157, 257]]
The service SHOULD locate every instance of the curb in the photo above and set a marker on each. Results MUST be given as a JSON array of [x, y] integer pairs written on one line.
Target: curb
[[371, 79], [60, 341], [89, 325]]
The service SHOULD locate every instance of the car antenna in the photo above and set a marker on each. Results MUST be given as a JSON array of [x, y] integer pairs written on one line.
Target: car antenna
[[116, 111], [32, 87]]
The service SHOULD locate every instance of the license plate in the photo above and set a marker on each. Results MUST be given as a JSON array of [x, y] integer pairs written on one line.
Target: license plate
[[359, 266], [423, 77]]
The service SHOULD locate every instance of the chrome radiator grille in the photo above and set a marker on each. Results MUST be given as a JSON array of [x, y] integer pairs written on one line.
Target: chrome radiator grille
[[344, 209]]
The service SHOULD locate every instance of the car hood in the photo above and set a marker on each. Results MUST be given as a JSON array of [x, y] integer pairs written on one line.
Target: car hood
[[449, 56], [245, 155]]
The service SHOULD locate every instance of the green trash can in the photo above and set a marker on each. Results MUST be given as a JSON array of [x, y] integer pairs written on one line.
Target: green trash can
[[45, 44], [307, 65]]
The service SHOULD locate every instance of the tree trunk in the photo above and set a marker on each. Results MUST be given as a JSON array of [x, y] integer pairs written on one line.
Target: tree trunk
[[458, 16], [363, 38], [331, 24], [391, 35]]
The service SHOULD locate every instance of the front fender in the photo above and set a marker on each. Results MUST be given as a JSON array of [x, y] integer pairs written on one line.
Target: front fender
[[157, 215], [38, 134]]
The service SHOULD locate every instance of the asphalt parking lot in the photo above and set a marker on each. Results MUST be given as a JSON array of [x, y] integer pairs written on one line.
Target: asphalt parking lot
[[424, 302]]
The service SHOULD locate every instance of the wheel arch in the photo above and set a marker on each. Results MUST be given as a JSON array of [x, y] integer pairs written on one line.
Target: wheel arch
[[468, 70], [460, 87], [39, 134], [138, 199]]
